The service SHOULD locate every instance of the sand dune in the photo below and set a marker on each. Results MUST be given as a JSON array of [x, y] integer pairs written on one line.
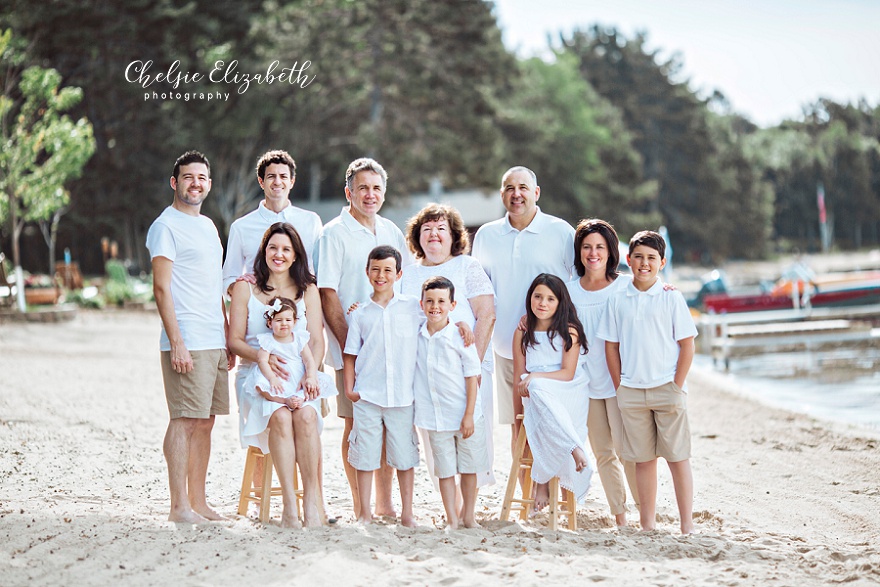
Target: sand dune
[[781, 499]]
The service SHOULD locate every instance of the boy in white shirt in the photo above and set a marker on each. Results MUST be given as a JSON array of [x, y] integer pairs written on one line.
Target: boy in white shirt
[[378, 369], [446, 402], [649, 346]]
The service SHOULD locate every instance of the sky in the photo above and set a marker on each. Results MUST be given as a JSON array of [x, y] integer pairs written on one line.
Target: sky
[[770, 58]]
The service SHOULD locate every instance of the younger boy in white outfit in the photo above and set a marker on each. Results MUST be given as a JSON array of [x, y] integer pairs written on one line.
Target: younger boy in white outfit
[[447, 403], [649, 346], [378, 369]]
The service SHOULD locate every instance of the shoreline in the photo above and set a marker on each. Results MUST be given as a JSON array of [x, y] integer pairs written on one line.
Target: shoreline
[[781, 498]]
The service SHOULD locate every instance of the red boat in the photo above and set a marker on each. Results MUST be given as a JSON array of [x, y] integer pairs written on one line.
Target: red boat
[[842, 289]]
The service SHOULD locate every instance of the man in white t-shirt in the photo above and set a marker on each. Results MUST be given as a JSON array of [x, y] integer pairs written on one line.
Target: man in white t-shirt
[[187, 282], [341, 261], [513, 251], [276, 174]]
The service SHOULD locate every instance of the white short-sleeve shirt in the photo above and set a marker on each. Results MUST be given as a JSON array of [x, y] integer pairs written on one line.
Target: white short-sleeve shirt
[[440, 391], [193, 246], [648, 326], [384, 341], [341, 263], [590, 308], [513, 259], [246, 234]]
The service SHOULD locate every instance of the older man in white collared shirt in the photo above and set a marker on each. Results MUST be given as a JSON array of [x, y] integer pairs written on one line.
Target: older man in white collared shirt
[[513, 250], [341, 260]]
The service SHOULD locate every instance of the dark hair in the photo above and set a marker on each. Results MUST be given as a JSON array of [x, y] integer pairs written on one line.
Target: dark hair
[[461, 241], [439, 282], [364, 164], [286, 304], [273, 157], [648, 238], [188, 158], [596, 226], [563, 320], [383, 252], [299, 269]]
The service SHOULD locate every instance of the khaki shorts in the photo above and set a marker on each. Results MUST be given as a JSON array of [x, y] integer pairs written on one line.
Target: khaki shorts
[[201, 393], [344, 407], [365, 440], [454, 454], [504, 388], [655, 423]]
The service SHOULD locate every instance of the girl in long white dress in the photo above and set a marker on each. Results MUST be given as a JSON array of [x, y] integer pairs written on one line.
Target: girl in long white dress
[[547, 361]]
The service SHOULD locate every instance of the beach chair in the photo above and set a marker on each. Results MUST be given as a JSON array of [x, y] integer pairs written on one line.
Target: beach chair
[[263, 493], [566, 505]]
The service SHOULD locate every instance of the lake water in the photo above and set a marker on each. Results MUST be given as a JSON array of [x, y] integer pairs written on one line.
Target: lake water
[[841, 385]]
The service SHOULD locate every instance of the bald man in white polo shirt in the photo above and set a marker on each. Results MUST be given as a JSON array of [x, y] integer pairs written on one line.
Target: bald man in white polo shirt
[[341, 262], [513, 251]]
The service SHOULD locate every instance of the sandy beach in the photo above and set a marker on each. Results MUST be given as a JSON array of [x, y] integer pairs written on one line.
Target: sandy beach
[[781, 499]]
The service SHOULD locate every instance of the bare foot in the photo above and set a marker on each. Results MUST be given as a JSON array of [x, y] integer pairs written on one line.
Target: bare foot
[[186, 517], [386, 511], [580, 459], [289, 520], [687, 529], [542, 496], [207, 513], [367, 519], [471, 524], [313, 518], [620, 520], [408, 521]]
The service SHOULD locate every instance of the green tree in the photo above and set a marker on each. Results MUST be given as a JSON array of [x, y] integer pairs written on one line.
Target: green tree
[[699, 179], [578, 146], [42, 149]]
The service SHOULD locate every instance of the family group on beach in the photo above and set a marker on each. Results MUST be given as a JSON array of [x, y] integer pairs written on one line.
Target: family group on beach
[[416, 326]]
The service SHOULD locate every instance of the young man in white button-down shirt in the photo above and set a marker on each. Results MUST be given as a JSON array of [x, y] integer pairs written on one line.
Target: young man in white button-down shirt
[[447, 402], [340, 258], [276, 174], [513, 251], [379, 367]]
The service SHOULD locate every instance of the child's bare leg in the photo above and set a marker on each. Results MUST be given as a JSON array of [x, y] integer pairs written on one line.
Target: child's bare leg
[[364, 487], [405, 480], [646, 481], [350, 472], [580, 459], [542, 495], [384, 505], [469, 497], [683, 481], [447, 492]]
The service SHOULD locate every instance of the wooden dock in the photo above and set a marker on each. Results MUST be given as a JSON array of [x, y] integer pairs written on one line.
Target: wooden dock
[[747, 333]]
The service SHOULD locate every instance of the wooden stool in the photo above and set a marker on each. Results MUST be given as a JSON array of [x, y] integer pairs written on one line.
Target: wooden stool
[[263, 494], [522, 462]]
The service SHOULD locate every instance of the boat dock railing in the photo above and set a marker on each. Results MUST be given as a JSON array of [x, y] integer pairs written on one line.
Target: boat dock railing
[[742, 333]]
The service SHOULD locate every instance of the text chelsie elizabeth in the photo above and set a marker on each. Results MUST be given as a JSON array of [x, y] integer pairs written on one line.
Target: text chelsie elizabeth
[[172, 84]]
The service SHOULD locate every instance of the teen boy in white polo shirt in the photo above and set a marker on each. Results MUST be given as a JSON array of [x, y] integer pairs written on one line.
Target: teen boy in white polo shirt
[[276, 174], [186, 254], [380, 363], [340, 258], [649, 347], [513, 250]]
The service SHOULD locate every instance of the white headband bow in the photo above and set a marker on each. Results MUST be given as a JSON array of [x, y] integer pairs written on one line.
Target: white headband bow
[[276, 306]]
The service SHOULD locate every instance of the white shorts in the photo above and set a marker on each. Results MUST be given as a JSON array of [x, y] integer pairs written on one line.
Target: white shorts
[[365, 440], [454, 454]]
